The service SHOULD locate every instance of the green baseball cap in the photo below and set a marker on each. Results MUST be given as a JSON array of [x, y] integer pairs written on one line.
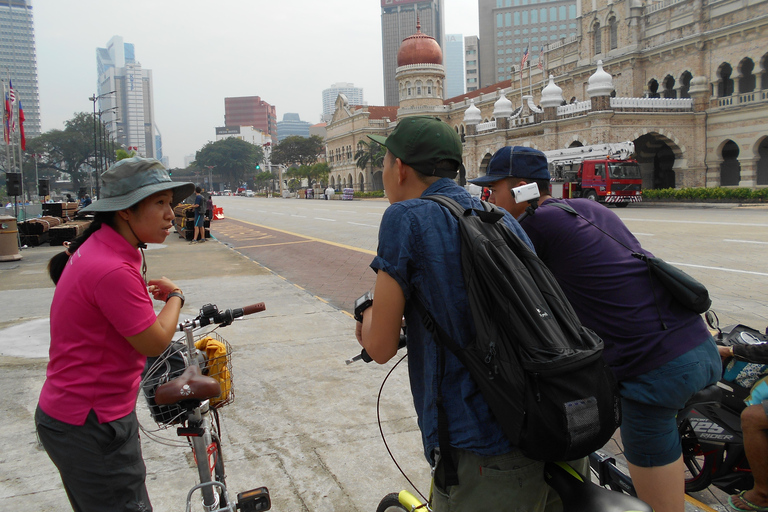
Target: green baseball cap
[[421, 142]]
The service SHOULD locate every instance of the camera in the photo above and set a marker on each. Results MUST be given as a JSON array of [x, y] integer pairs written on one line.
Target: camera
[[527, 192]]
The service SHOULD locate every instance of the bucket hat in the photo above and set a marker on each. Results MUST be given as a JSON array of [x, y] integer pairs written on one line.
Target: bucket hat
[[130, 180], [421, 142], [517, 162]]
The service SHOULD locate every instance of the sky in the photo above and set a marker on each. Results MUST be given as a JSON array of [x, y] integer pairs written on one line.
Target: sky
[[285, 51]]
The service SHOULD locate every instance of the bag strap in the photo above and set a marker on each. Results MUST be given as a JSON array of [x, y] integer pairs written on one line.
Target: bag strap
[[442, 340], [489, 213], [639, 255]]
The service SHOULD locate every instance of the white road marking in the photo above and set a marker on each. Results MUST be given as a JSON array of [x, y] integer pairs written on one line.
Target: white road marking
[[745, 241], [697, 222], [321, 218], [359, 224], [721, 268]]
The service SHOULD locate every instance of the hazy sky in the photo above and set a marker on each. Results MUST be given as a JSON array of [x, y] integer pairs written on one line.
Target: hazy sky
[[286, 51]]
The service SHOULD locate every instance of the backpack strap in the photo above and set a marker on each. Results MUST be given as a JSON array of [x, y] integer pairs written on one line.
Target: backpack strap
[[490, 213], [639, 255], [442, 340]]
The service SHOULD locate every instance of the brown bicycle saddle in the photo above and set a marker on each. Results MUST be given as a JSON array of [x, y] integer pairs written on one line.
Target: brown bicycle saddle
[[190, 385]]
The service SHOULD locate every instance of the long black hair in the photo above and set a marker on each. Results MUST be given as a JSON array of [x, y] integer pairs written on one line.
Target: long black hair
[[58, 263]]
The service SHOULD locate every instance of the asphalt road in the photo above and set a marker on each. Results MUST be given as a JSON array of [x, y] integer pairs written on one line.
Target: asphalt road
[[723, 246]]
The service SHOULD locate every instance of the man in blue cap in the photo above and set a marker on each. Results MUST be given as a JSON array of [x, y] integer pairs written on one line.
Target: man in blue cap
[[419, 255], [659, 366]]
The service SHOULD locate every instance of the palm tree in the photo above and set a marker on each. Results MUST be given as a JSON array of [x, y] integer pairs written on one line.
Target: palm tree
[[369, 153]]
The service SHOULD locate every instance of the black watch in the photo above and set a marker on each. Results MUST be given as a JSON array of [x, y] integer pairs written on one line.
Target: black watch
[[364, 302], [176, 294]]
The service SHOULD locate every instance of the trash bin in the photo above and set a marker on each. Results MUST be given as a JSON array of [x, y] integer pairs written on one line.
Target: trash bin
[[9, 241]]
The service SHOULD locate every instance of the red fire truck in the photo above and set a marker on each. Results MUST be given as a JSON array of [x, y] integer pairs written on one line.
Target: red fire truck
[[600, 172]]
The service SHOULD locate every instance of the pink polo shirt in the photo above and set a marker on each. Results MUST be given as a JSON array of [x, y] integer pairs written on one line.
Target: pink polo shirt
[[100, 300]]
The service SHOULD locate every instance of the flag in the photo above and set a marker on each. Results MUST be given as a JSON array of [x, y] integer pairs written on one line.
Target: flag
[[7, 124], [12, 93], [541, 58], [21, 128], [525, 58]]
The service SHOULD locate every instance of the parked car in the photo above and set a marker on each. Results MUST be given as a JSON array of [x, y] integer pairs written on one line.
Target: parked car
[[249, 193], [227, 193]]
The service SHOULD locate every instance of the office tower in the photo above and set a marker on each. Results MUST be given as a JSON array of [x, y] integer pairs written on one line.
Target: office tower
[[454, 65], [506, 30], [292, 125], [251, 111], [354, 96], [125, 98], [398, 21], [18, 59], [472, 62]]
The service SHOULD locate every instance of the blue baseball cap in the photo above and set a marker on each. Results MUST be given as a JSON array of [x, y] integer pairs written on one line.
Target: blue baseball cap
[[514, 162]]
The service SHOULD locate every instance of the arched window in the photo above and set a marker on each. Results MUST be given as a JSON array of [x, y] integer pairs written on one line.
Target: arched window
[[764, 72], [730, 169], [418, 88], [597, 38], [685, 84], [747, 81], [429, 87], [669, 87], [653, 88], [725, 82], [614, 29]]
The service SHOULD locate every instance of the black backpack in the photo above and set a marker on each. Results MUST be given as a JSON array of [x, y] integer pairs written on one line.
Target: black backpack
[[540, 371]]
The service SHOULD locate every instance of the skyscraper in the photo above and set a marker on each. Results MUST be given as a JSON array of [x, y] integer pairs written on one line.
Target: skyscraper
[[18, 59], [353, 94], [454, 65], [506, 30], [292, 125], [398, 21], [125, 98], [472, 62], [251, 111]]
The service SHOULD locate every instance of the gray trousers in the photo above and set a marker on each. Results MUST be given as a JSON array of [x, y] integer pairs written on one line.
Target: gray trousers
[[100, 463]]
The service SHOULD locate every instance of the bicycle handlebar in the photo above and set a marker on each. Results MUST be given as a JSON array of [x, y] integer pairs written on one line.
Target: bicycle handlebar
[[363, 355], [210, 314]]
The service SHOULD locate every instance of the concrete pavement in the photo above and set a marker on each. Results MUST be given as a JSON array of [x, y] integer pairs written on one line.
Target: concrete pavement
[[303, 423]]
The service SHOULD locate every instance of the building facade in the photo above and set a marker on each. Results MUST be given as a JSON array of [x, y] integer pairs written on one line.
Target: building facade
[[18, 59], [125, 98], [251, 111], [398, 21], [454, 65], [685, 81], [292, 125], [353, 94], [472, 63], [509, 27]]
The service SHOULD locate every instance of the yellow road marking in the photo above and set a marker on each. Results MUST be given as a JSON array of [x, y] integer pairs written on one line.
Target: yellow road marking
[[271, 245], [696, 503], [335, 244]]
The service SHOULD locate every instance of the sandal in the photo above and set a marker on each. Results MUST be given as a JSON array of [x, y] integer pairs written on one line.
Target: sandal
[[752, 506]]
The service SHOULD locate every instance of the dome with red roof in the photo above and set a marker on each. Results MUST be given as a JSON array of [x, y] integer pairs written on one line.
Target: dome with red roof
[[419, 49]]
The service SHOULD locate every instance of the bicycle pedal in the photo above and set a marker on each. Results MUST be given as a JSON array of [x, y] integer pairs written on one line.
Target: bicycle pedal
[[190, 431], [255, 500]]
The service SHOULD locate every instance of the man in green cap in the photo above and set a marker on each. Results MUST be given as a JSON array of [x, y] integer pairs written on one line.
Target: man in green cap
[[419, 255]]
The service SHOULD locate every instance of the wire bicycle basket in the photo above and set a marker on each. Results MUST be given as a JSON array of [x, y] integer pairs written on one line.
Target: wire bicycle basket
[[213, 353]]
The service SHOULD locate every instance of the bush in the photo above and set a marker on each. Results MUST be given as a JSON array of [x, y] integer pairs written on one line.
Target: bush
[[372, 193], [703, 194]]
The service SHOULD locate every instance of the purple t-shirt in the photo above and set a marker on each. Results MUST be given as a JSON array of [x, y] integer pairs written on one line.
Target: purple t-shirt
[[610, 290]]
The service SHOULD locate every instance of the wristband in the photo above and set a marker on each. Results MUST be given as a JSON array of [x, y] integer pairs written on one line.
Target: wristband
[[176, 293], [364, 302]]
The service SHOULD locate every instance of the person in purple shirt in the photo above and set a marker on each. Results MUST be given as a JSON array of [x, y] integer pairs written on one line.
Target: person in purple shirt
[[660, 352]]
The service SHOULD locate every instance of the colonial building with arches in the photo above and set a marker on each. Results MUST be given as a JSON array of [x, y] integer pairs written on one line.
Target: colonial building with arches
[[685, 80]]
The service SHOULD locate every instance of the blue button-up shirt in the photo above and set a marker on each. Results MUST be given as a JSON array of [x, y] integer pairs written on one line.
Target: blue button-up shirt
[[420, 247]]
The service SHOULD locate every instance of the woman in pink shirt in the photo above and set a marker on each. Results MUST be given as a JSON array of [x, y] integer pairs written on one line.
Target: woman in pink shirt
[[103, 327]]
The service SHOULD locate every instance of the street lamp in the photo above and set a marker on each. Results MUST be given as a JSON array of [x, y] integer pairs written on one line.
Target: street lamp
[[210, 177], [94, 99], [104, 160]]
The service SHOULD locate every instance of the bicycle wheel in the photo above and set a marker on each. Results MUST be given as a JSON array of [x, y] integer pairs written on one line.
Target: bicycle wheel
[[390, 503], [700, 464]]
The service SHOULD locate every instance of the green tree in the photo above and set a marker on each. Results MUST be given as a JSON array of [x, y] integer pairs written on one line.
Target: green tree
[[369, 153], [262, 179], [70, 150], [295, 150], [234, 159], [318, 173]]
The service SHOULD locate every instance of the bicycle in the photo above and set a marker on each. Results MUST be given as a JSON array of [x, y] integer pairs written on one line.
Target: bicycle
[[577, 493], [186, 386]]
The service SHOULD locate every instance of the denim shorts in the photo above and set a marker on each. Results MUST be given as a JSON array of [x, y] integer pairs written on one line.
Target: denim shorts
[[650, 403]]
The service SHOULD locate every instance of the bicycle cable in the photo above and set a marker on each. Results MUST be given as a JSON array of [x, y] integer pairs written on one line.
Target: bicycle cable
[[381, 430]]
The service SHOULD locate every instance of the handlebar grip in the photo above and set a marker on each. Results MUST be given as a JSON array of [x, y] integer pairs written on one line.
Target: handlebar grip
[[254, 308]]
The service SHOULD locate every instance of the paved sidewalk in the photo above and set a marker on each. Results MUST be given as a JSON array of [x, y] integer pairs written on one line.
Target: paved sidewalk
[[303, 423]]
